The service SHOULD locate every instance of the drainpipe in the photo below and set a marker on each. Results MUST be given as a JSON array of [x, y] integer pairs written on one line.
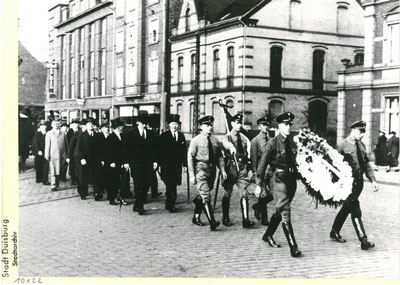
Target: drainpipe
[[112, 63], [244, 66]]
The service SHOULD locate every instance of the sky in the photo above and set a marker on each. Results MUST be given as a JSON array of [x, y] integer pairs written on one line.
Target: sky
[[33, 26]]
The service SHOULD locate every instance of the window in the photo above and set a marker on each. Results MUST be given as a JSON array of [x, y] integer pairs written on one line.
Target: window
[[193, 72], [119, 81], [72, 90], [153, 31], [317, 116], [318, 70], [180, 73], [92, 88], [187, 20], [216, 68], [91, 55], [131, 36], [81, 90], [394, 43], [102, 87], [392, 113], [179, 110], [295, 14], [342, 19], [103, 57], [63, 92], [82, 40], [275, 108], [73, 10], [153, 70], [275, 68], [231, 66], [81, 62], [119, 42], [131, 72], [131, 16], [359, 59], [219, 125], [104, 26], [64, 14]]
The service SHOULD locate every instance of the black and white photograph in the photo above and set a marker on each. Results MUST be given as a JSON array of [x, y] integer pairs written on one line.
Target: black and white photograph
[[245, 139]]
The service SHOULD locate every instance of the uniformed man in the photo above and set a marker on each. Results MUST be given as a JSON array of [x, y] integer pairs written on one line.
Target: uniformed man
[[258, 147], [171, 158], [355, 154], [280, 155], [203, 156], [236, 145]]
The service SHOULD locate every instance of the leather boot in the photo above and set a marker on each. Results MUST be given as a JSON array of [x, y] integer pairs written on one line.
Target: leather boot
[[336, 236], [263, 210], [362, 236], [288, 230], [198, 208], [225, 212], [256, 208], [273, 225], [210, 216], [244, 204]]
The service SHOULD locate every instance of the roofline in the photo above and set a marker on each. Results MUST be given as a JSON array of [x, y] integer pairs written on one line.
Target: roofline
[[59, 4], [256, 8]]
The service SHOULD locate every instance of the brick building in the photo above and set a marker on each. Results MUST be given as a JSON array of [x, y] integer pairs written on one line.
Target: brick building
[[262, 56], [370, 90], [106, 58]]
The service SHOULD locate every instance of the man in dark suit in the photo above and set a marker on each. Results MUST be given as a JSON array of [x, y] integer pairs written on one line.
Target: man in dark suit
[[100, 168], [116, 160], [393, 150], [73, 164], [85, 156], [73, 128], [172, 155], [142, 159], [41, 164]]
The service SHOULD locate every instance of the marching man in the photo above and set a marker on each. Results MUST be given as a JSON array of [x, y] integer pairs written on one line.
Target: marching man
[[236, 144], [203, 156], [280, 154], [355, 154]]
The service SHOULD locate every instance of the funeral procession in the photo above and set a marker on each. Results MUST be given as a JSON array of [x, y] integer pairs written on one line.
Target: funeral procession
[[210, 138]]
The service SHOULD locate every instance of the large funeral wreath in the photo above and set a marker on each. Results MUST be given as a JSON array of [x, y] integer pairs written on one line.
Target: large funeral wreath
[[327, 177]]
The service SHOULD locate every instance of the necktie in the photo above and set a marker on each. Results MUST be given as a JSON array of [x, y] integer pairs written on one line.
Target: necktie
[[239, 144], [359, 156], [175, 136], [210, 150]]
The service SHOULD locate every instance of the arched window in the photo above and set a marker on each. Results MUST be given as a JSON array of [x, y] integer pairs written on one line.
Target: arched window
[[216, 68], [342, 19], [231, 66], [219, 121], [295, 14], [275, 108], [193, 72], [180, 73], [317, 116], [318, 70], [187, 20], [275, 69], [359, 58], [179, 109]]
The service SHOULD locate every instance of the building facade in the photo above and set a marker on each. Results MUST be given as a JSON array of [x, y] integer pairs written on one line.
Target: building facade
[[106, 59], [371, 91], [260, 56]]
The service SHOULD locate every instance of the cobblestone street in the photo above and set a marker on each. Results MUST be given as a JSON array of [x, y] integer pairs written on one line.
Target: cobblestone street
[[63, 236]]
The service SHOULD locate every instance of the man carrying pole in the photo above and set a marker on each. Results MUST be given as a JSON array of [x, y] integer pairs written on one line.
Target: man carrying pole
[[237, 149]]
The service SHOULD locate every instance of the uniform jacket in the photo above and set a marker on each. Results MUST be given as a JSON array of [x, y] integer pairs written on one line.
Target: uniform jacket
[[38, 143], [56, 145], [114, 150], [348, 149], [198, 151], [258, 147], [275, 156], [171, 156], [232, 139]]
